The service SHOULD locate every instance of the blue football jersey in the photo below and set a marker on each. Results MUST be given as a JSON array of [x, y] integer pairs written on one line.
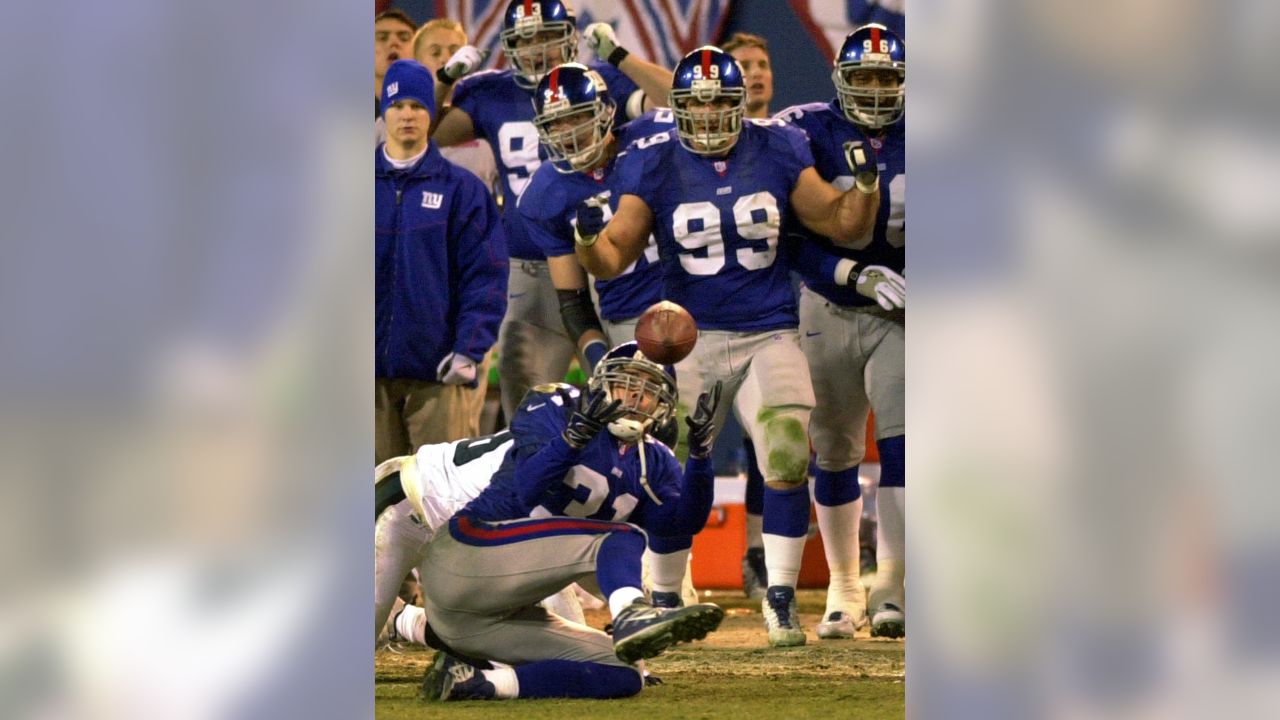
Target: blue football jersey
[[502, 113], [603, 485], [717, 222], [815, 256], [551, 206]]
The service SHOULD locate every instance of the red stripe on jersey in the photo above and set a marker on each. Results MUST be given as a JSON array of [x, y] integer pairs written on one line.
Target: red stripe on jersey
[[528, 528]]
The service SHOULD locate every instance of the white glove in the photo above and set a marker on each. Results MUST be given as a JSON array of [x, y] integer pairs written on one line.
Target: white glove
[[882, 285], [456, 369], [462, 63], [602, 40]]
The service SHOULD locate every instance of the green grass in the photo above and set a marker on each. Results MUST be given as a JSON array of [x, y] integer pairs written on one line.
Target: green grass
[[732, 675]]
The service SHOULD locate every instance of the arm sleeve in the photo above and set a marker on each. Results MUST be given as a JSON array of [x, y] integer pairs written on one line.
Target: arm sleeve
[[684, 512], [482, 270], [794, 151], [810, 257], [553, 235], [542, 456], [621, 88]]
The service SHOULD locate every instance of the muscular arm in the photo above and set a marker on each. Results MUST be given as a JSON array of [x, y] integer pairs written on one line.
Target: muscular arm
[[621, 242], [653, 79], [452, 127], [844, 217]]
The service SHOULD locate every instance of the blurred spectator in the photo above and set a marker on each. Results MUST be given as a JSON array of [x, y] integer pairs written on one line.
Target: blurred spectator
[[392, 37], [440, 274], [433, 44], [752, 53]]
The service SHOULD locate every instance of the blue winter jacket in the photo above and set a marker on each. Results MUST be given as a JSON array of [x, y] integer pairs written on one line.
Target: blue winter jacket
[[441, 266]]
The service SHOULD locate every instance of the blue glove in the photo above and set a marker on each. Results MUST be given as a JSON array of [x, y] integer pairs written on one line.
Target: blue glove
[[590, 220], [861, 160]]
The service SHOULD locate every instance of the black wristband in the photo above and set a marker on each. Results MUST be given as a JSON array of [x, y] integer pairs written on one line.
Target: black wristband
[[617, 56], [443, 77]]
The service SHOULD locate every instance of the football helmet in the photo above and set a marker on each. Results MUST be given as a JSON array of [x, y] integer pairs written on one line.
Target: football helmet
[[711, 79], [870, 76], [576, 93], [536, 36], [647, 389]]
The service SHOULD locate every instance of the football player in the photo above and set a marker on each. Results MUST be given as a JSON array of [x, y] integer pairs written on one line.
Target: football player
[[496, 107], [571, 502], [575, 122], [852, 319], [714, 193]]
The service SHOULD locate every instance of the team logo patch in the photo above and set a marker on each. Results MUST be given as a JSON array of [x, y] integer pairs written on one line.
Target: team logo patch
[[877, 144], [721, 166], [393, 88], [432, 200]]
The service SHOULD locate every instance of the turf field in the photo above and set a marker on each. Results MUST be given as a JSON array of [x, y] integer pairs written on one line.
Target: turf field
[[731, 674]]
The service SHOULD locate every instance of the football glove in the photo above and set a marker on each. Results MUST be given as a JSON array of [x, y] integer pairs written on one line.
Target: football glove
[[590, 220], [460, 64], [861, 160], [702, 431], [603, 41], [668, 433], [456, 369], [593, 415], [880, 284]]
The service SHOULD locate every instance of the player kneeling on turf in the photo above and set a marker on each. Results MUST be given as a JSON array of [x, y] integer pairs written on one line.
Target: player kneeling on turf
[[571, 503]]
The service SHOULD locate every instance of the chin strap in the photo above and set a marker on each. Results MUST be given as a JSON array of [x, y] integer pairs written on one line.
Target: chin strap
[[633, 431], [644, 478]]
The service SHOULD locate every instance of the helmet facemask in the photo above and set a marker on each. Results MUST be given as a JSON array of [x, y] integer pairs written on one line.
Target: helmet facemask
[[867, 102], [535, 47], [708, 130], [581, 143], [645, 389]]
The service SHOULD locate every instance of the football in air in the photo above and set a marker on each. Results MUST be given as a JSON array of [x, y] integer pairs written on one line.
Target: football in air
[[666, 333]]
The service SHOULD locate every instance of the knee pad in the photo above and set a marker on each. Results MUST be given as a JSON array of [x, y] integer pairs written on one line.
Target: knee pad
[[785, 446], [893, 461]]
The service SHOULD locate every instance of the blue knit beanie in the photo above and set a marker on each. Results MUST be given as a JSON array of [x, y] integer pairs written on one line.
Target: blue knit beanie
[[409, 80]]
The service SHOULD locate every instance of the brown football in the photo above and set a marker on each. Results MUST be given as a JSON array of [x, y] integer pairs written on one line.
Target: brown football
[[666, 333]]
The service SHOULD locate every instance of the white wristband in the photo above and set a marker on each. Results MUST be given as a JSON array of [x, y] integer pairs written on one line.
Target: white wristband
[[844, 268], [869, 190]]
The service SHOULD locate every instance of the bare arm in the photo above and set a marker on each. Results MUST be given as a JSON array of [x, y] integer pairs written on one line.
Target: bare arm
[[452, 127], [621, 242], [845, 217], [653, 79]]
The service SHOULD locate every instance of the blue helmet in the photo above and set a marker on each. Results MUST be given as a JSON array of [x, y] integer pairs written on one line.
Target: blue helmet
[[646, 388], [871, 76], [577, 93], [538, 35], [708, 75]]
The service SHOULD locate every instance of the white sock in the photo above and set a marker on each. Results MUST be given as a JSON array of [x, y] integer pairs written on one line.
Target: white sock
[[505, 683], [839, 527], [411, 624], [565, 604], [755, 530], [890, 547], [782, 556], [622, 597], [666, 570]]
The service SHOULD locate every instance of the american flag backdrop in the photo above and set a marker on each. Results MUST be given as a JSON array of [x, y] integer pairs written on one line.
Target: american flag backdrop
[[658, 30], [829, 22]]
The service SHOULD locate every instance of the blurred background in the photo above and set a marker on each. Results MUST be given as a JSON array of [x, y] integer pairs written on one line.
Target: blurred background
[[187, 304]]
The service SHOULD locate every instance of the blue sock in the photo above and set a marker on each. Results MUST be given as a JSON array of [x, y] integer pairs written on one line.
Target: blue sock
[[663, 545], [836, 487], [573, 679], [786, 512], [618, 561], [755, 481], [893, 461]]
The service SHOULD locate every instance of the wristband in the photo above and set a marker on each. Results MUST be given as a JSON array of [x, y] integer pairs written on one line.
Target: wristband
[[617, 56], [585, 241], [871, 189], [444, 77]]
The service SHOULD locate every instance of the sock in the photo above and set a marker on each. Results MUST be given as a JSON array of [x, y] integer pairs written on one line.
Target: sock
[[786, 524], [755, 496], [622, 597], [891, 512], [411, 624], [506, 683], [618, 561], [838, 502], [565, 604], [572, 679], [666, 560]]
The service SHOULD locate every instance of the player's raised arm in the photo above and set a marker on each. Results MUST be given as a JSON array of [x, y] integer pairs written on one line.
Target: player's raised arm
[[606, 250], [654, 80], [844, 217]]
